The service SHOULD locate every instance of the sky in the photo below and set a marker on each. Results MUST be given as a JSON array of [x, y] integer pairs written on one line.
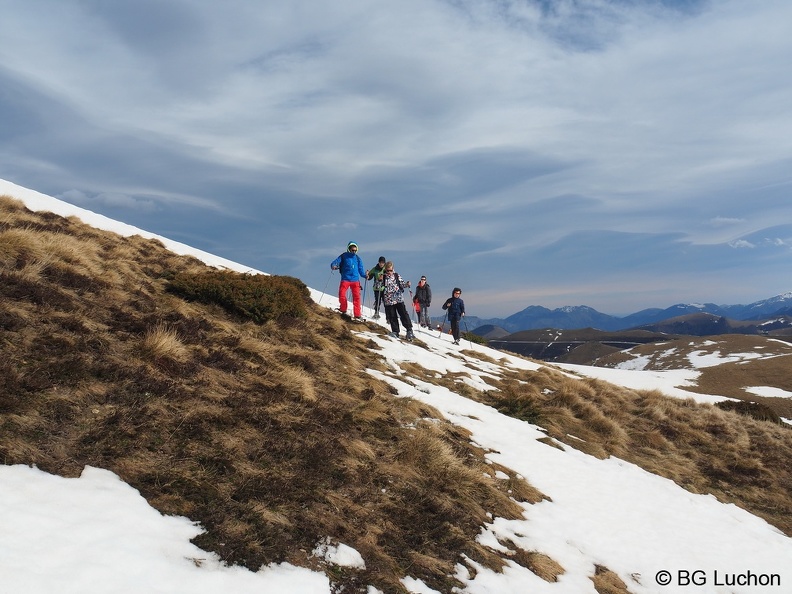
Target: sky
[[95, 534], [619, 154]]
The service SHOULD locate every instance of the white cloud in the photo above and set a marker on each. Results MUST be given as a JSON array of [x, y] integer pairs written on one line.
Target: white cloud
[[725, 221], [337, 226], [741, 244]]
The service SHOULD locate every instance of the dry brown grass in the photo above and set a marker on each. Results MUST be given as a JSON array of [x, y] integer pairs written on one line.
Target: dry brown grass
[[607, 582], [162, 342], [271, 435]]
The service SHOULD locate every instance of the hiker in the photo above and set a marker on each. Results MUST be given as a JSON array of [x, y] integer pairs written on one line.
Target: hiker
[[423, 297], [375, 274], [351, 267], [393, 298], [456, 311]]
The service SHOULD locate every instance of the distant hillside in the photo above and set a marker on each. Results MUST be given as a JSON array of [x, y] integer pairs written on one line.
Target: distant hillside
[[706, 324], [573, 346], [584, 346], [490, 332], [731, 365]]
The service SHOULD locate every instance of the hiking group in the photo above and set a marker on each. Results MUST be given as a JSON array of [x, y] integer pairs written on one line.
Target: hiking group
[[388, 287]]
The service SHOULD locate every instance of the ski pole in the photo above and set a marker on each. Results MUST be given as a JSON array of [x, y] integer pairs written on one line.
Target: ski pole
[[467, 332], [327, 283]]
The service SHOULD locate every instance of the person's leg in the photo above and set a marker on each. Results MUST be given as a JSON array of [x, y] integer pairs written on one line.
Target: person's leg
[[342, 296], [356, 308], [405, 317], [392, 317], [406, 320], [455, 329], [377, 299]]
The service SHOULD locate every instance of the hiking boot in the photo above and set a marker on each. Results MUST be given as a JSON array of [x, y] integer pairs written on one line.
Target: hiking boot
[[410, 335]]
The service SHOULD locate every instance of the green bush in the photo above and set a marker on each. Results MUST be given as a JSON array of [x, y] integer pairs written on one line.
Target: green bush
[[469, 336], [256, 297]]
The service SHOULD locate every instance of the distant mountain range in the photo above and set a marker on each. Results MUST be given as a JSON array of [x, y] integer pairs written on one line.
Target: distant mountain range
[[536, 317]]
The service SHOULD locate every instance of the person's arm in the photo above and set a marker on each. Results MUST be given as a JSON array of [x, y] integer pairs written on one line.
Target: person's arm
[[335, 263]]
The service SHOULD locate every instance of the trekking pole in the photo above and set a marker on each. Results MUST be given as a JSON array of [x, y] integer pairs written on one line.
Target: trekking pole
[[443, 326], [327, 283], [363, 299], [412, 305], [467, 332]]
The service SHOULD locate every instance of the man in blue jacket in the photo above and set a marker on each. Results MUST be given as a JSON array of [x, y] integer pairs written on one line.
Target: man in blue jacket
[[352, 270], [456, 311]]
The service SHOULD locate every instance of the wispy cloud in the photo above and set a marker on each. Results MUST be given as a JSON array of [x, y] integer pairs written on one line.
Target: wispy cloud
[[466, 139]]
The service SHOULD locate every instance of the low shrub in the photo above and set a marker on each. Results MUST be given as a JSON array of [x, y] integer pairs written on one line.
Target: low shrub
[[256, 297], [756, 410]]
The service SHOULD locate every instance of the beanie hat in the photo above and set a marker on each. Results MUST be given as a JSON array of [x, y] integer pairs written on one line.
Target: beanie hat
[[350, 244], [382, 259], [456, 289]]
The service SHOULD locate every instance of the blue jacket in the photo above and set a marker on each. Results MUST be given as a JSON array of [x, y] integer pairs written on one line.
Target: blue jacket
[[350, 265], [455, 307]]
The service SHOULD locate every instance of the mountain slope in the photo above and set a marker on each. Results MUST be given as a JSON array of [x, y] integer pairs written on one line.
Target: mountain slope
[[279, 434]]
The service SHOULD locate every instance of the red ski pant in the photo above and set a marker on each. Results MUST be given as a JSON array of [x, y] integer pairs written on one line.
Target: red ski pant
[[342, 296]]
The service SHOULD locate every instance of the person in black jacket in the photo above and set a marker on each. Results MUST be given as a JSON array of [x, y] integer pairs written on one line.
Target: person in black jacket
[[456, 311], [423, 297]]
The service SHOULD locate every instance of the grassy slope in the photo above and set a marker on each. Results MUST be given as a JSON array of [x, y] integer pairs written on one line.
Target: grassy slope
[[272, 436], [729, 378]]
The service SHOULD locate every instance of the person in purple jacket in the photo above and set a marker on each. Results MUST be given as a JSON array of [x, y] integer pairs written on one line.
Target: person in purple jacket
[[351, 267]]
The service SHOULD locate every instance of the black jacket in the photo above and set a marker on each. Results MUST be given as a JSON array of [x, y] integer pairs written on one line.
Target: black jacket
[[423, 294]]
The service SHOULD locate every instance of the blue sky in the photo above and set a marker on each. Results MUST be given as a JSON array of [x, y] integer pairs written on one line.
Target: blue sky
[[620, 154]]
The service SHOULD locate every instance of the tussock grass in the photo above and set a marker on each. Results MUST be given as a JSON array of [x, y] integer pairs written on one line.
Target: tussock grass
[[607, 582], [162, 342]]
